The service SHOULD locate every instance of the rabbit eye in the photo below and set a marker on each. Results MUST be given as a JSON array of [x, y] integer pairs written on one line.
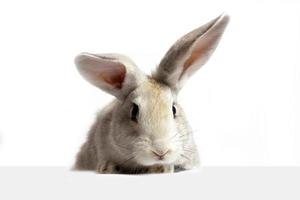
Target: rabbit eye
[[174, 111], [134, 112]]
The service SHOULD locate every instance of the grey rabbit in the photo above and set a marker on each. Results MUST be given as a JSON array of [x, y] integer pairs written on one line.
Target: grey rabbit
[[144, 129]]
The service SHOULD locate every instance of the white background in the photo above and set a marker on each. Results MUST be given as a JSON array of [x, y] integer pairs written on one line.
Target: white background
[[243, 105]]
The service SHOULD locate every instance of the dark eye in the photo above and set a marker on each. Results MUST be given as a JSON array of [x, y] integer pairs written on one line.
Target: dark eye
[[174, 111], [134, 112]]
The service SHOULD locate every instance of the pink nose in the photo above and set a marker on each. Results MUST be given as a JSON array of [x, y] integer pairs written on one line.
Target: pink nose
[[160, 154]]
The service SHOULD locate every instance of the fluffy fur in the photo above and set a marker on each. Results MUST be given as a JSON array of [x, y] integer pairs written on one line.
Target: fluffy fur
[[160, 139]]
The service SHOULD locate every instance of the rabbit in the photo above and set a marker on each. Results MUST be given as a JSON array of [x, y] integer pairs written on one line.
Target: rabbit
[[144, 129]]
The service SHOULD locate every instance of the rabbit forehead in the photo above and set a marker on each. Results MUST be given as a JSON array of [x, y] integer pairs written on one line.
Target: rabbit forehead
[[155, 101], [154, 94]]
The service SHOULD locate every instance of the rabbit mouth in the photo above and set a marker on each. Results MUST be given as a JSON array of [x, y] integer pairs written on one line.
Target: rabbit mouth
[[149, 160]]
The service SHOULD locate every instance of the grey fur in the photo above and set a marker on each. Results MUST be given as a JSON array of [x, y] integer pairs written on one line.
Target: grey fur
[[98, 149], [115, 143]]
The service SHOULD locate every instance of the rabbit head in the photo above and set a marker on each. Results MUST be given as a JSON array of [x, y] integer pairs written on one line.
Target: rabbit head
[[148, 125]]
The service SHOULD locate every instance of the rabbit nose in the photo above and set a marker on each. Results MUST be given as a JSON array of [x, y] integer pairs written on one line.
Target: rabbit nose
[[160, 154]]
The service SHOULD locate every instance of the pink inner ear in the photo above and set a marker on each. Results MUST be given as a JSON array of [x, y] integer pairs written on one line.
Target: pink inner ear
[[191, 60], [113, 74], [199, 52]]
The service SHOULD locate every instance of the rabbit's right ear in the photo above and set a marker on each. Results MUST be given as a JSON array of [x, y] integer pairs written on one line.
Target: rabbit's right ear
[[190, 53], [113, 73]]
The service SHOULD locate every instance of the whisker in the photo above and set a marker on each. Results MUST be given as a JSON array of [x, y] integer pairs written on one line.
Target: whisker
[[192, 131], [186, 134], [189, 150], [174, 136], [123, 147], [186, 157], [130, 158], [181, 140]]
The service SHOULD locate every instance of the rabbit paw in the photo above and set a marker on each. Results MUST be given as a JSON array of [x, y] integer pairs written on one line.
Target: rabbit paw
[[106, 168], [161, 169]]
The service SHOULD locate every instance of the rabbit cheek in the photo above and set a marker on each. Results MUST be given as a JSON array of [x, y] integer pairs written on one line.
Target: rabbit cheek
[[144, 159]]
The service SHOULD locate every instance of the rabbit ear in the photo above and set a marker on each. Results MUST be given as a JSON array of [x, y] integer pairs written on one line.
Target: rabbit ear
[[190, 52], [113, 73]]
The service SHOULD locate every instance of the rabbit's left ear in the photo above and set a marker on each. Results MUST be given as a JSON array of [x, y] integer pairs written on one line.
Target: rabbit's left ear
[[190, 52], [116, 74]]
